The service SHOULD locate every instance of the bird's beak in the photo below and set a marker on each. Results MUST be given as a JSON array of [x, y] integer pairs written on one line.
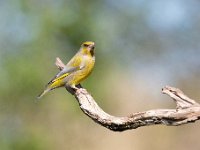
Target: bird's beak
[[92, 49], [92, 46]]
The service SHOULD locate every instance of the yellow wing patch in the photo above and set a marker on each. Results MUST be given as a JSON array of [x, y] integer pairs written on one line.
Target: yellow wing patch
[[58, 81]]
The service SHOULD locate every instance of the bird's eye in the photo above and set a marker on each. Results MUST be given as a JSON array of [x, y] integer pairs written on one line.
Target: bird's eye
[[85, 45]]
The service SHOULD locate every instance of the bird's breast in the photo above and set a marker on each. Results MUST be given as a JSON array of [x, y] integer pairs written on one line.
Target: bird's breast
[[84, 72]]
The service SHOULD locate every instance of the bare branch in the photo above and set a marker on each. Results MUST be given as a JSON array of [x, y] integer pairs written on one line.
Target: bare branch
[[187, 110], [170, 117]]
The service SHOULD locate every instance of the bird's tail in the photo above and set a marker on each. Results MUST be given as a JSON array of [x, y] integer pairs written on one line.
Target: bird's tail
[[44, 92], [54, 83]]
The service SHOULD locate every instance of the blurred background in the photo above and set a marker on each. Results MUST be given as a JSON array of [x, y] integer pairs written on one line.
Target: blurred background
[[141, 46]]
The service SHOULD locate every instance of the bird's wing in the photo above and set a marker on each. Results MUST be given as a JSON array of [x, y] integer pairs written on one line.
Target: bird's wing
[[73, 65], [65, 70]]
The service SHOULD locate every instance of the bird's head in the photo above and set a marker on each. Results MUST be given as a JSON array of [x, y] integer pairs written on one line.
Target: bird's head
[[88, 48]]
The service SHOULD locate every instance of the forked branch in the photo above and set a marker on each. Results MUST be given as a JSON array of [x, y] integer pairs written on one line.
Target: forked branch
[[187, 110]]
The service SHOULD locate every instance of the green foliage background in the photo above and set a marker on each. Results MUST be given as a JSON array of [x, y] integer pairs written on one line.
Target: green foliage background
[[141, 46]]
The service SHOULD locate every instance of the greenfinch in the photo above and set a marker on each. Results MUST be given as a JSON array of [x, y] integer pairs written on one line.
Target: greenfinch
[[76, 70]]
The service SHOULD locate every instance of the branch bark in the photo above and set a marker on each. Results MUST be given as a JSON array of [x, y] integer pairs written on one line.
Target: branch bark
[[187, 110]]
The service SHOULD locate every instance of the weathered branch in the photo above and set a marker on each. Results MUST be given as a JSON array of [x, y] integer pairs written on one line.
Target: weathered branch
[[187, 110]]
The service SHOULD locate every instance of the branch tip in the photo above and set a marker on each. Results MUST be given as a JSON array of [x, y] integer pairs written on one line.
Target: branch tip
[[59, 63]]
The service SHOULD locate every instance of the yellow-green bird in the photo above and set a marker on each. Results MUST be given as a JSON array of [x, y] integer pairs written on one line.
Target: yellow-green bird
[[76, 70]]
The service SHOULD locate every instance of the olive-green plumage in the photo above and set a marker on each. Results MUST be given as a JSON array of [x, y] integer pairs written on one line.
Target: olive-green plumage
[[76, 70]]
